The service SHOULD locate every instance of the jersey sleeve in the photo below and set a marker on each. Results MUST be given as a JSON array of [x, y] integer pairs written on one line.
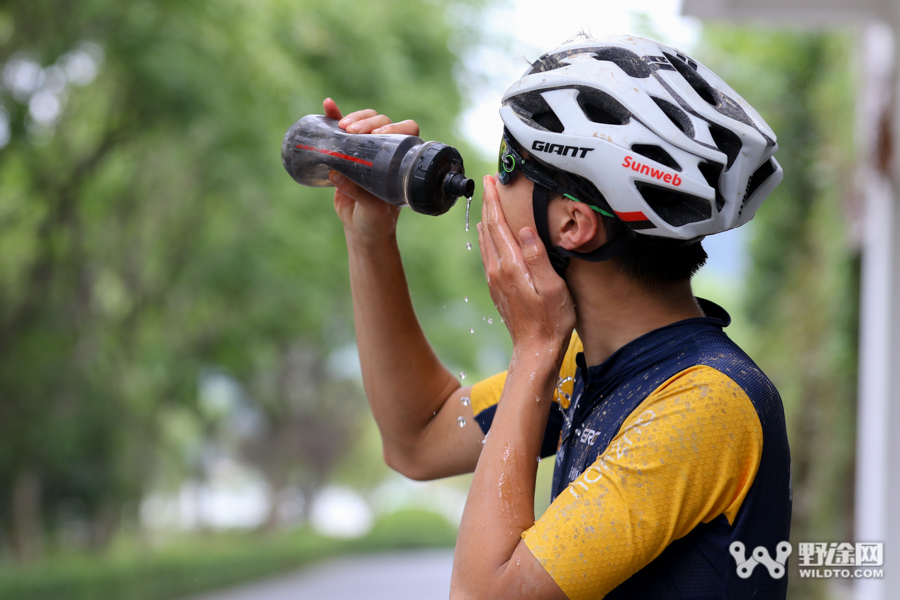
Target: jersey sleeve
[[486, 394], [687, 454]]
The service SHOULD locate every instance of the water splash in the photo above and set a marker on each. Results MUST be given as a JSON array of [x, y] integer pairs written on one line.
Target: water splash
[[465, 401], [468, 205], [462, 374], [490, 321], [559, 383], [461, 421]]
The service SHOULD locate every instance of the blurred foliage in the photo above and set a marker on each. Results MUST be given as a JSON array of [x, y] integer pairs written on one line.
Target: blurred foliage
[[802, 292], [149, 235], [209, 563], [413, 528]]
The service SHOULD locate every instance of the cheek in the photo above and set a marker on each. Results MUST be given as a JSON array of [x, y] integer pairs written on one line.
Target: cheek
[[518, 211]]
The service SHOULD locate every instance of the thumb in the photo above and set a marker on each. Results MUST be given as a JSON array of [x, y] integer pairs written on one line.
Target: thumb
[[532, 249]]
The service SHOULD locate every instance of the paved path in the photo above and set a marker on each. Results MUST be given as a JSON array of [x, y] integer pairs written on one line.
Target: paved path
[[417, 575]]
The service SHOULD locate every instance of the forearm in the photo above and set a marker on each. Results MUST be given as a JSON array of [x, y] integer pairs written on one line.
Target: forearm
[[500, 505], [404, 380]]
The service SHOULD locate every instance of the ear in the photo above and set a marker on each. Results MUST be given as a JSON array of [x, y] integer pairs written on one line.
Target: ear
[[575, 226]]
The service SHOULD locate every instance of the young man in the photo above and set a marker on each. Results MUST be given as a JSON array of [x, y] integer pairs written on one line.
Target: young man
[[671, 454]]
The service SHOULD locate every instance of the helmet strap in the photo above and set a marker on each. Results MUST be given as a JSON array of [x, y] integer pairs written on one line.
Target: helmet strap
[[559, 256]]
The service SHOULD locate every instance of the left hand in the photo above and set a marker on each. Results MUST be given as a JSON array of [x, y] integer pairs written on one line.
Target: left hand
[[533, 300]]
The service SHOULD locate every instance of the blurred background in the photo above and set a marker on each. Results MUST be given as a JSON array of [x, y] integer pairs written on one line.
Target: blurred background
[[180, 401]]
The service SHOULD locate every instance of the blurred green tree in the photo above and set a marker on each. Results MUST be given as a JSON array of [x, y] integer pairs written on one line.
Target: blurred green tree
[[148, 231]]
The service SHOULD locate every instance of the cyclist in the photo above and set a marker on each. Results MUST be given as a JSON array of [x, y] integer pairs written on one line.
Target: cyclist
[[618, 156]]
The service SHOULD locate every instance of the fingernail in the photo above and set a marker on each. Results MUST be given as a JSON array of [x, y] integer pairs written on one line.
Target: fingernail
[[527, 236], [342, 121], [354, 127], [337, 178]]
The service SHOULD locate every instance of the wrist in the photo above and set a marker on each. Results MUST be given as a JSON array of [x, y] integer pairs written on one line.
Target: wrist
[[370, 243], [541, 352]]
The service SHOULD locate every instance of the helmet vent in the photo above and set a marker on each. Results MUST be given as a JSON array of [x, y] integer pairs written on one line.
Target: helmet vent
[[600, 107], [694, 79], [727, 141], [533, 108], [548, 120], [759, 176], [675, 208], [658, 154], [711, 172], [625, 59], [677, 116]]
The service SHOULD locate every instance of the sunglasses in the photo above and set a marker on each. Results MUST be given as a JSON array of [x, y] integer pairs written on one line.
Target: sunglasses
[[511, 161]]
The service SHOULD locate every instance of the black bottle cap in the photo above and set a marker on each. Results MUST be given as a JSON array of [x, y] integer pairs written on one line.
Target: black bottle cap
[[457, 184], [438, 180]]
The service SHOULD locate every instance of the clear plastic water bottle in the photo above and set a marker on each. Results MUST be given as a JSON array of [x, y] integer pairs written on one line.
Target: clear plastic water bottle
[[401, 169]]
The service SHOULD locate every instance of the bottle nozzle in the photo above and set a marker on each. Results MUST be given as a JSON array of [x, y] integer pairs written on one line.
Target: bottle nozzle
[[456, 185]]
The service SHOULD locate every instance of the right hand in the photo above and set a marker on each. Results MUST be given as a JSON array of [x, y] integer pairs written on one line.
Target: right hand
[[364, 216]]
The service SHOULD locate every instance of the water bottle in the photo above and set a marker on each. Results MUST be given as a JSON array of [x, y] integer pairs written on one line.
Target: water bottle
[[401, 169]]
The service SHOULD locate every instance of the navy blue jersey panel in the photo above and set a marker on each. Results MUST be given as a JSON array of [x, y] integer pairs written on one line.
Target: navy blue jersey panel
[[551, 434], [699, 565]]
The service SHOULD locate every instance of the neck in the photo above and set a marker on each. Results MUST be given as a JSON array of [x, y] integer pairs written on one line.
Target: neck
[[612, 310]]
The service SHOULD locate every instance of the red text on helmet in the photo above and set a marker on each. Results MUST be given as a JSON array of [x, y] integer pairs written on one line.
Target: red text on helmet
[[559, 149], [648, 170]]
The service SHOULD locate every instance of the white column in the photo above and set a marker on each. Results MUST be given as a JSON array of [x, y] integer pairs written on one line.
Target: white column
[[877, 514]]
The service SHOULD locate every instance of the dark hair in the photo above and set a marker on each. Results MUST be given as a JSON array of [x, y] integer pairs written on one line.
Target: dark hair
[[653, 262]]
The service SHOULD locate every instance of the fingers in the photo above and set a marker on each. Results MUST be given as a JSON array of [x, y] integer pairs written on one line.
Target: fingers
[[488, 251], [331, 109], [535, 255], [351, 190], [363, 121], [407, 127], [370, 121], [509, 255]]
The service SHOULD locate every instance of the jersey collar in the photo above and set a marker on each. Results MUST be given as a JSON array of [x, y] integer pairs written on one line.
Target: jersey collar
[[646, 347]]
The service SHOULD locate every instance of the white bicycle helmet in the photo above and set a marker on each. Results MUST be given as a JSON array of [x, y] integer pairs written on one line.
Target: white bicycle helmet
[[667, 145]]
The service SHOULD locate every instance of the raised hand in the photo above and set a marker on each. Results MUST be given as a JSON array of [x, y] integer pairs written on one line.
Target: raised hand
[[365, 217], [533, 300]]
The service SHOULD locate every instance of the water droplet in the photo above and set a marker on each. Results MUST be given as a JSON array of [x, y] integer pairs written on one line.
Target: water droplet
[[539, 459], [462, 374], [468, 205], [472, 330], [466, 298], [502, 320], [490, 321], [465, 401], [468, 245], [484, 318], [461, 421], [445, 306]]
